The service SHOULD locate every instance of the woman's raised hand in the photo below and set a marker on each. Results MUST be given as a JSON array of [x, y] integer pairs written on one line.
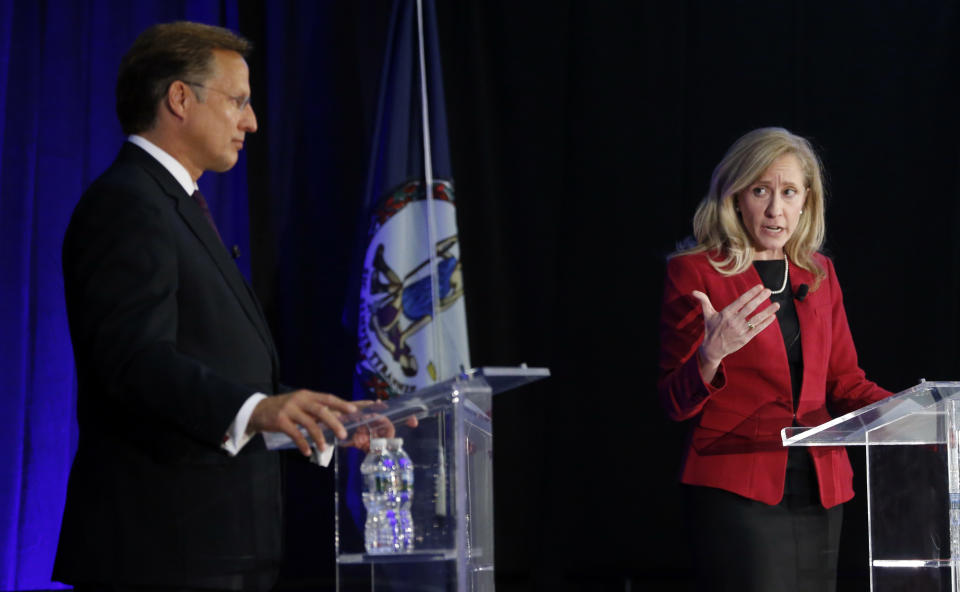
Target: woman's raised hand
[[726, 331]]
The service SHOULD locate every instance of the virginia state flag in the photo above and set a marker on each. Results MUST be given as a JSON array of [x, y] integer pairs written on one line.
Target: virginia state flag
[[412, 329]]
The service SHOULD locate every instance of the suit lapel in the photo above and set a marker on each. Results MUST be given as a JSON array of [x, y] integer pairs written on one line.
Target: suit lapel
[[193, 217]]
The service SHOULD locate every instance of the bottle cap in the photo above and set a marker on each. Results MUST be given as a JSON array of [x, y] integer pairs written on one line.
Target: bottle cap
[[378, 443], [395, 443]]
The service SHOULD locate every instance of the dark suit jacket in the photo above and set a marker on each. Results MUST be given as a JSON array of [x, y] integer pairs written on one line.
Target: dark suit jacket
[[735, 442], [169, 342]]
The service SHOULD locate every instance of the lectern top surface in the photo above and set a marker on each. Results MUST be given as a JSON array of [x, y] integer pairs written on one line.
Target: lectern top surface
[[918, 415], [489, 379]]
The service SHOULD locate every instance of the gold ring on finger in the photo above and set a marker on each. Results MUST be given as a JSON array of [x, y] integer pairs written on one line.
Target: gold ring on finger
[[750, 326]]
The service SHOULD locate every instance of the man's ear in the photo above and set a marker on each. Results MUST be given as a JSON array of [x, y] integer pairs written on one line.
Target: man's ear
[[178, 98]]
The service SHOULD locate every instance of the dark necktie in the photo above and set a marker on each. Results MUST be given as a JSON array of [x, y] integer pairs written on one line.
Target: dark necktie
[[198, 197]]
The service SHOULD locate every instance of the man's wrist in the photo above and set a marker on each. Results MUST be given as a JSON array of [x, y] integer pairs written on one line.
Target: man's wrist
[[238, 434]]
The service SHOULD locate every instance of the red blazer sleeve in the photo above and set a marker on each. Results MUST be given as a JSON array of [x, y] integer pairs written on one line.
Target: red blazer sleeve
[[681, 388], [847, 386]]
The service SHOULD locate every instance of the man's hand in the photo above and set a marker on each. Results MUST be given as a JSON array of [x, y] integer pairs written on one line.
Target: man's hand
[[308, 409], [375, 426]]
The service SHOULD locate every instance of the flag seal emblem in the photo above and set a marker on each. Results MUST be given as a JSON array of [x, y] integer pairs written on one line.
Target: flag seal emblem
[[396, 349]]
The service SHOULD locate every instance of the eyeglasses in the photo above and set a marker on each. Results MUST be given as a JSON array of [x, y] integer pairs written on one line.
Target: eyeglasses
[[239, 100]]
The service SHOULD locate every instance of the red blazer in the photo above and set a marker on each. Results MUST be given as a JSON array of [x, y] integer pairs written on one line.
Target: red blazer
[[735, 441]]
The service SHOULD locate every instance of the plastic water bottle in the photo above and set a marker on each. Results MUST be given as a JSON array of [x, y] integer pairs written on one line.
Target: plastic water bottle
[[390, 534], [404, 491], [377, 472]]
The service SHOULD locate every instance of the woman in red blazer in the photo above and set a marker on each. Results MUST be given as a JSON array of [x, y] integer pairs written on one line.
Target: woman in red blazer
[[754, 338]]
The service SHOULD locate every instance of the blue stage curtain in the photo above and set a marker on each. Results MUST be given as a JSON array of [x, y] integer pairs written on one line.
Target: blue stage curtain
[[58, 131]]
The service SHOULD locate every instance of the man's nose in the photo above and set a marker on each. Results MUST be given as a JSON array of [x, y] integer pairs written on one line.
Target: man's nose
[[248, 122]]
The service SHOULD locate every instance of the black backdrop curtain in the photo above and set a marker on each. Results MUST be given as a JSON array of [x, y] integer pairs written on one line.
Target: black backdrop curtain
[[583, 135]]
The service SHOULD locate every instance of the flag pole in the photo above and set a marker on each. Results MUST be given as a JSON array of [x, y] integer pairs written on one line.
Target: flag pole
[[428, 188]]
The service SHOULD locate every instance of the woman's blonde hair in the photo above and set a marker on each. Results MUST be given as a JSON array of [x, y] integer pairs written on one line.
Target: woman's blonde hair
[[717, 227]]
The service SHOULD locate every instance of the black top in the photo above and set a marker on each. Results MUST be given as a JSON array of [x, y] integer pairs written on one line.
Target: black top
[[801, 477], [771, 274]]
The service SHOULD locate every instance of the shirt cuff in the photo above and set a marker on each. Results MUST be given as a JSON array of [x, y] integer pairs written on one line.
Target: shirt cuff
[[237, 437], [322, 458]]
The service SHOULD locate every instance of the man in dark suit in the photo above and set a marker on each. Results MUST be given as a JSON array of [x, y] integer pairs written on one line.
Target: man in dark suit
[[172, 487]]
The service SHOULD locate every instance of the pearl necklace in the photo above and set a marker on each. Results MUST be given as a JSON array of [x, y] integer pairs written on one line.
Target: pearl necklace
[[786, 274]]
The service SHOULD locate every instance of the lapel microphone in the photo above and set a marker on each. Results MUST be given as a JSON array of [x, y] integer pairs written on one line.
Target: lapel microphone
[[802, 290]]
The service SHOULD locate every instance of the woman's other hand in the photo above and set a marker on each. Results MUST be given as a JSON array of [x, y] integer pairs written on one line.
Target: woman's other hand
[[728, 330]]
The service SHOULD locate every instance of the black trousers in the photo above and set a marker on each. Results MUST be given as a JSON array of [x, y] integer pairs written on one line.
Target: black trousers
[[112, 588], [252, 582], [743, 545]]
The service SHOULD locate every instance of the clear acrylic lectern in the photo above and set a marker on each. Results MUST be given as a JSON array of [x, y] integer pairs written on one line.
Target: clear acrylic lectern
[[913, 483], [452, 453]]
